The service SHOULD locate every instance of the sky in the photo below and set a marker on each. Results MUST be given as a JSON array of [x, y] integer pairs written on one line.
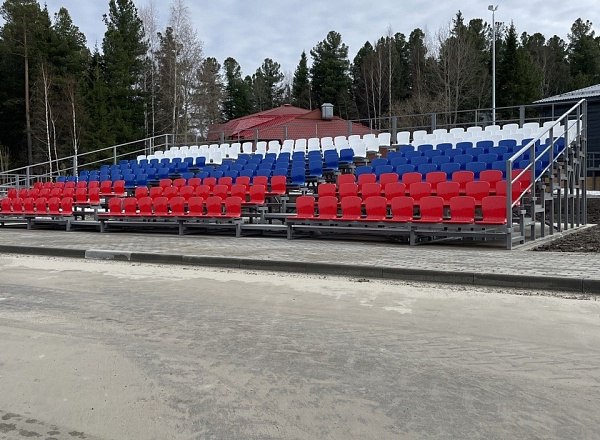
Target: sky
[[252, 30]]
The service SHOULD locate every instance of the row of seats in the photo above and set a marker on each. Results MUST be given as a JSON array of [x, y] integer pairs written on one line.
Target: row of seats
[[431, 209], [81, 195], [252, 195], [40, 206], [418, 190], [212, 206]]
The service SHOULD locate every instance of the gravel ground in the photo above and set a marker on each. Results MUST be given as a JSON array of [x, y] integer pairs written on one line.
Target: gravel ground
[[587, 240]]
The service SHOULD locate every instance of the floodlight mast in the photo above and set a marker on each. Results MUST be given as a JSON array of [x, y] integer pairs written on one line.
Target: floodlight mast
[[493, 9]]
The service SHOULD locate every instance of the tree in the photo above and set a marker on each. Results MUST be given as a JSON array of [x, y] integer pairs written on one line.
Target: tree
[[330, 73], [301, 84], [268, 85], [584, 54], [238, 91], [209, 95], [124, 48]]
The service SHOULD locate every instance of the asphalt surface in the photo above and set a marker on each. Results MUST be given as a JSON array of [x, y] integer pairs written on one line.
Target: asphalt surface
[[460, 264], [115, 350]]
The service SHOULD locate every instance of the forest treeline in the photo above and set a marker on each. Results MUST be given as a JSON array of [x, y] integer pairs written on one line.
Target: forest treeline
[[58, 97]]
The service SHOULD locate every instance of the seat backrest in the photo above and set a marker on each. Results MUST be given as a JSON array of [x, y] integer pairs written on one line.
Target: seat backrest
[[462, 177], [81, 195], [435, 178], [220, 191], [257, 194], [386, 178], [115, 205], [279, 185], [366, 178], [477, 189], [141, 191], [260, 180], [326, 189], [347, 189], [351, 207], [130, 205], [225, 180], [346, 178], [491, 176], [493, 209], [418, 190], [370, 190], [233, 206], [376, 208], [119, 186], [214, 206], [394, 189], [462, 208], [448, 189], [53, 205], [432, 209], [170, 192], [239, 190], [145, 204], [66, 205], [402, 208], [196, 206], [411, 177], [327, 207], [94, 195], [305, 207]]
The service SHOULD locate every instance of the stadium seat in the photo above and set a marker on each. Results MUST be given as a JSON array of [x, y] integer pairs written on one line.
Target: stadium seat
[[418, 190], [305, 207], [478, 190], [493, 210], [195, 207], [130, 207], [409, 178], [366, 178], [233, 207], [491, 176], [326, 189], [177, 205], [394, 189], [66, 206], [435, 178], [386, 178], [351, 208], [278, 186], [447, 190], [203, 191], [462, 177], [370, 190], [327, 207], [347, 189], [462, 210], [346, 178], [160, 206], [170, 191], [376, 208], [257, 195], [145, 205], [431, 209], [214, 206], [402, 209]]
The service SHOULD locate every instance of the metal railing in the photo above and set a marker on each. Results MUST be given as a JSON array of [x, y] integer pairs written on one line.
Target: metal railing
[[574, 152], [71, 165]]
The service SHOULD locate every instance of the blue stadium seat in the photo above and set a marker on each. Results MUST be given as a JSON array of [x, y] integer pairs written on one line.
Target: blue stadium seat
[[382, 169], [424, 147], [476, 167], [416, 161], [410, 154], [462, 160], [379, 162], [365, 169], [443, 146], [450, 168], [487, 158], [402, 169], [398, 161], [425, 168], [439, 160]]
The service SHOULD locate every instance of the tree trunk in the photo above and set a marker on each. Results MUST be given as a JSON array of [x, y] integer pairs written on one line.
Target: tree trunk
[[27, 109]]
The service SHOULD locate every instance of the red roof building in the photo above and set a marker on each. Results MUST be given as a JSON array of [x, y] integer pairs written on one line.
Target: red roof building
[[285, 122]]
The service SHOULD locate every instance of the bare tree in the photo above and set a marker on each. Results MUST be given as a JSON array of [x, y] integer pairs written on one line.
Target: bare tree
[[149, 16]]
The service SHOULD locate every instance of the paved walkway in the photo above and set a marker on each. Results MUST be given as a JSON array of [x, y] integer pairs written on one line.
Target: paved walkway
[[451, 263]]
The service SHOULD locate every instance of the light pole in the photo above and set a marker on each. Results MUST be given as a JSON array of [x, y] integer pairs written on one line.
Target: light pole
[[493, 9]]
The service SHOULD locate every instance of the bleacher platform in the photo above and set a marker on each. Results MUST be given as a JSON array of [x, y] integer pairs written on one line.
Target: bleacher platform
[[419, 187]]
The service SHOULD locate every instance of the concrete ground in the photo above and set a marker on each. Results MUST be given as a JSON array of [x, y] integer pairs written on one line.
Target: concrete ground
[[117, 350]]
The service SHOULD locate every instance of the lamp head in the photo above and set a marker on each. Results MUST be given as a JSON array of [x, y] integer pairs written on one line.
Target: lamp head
[[493, 8]]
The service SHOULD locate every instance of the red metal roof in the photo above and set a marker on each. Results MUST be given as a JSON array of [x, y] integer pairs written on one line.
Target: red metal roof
[[285, 122]]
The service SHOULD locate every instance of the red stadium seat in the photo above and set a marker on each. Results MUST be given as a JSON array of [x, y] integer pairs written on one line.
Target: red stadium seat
[[243, 180], [305, 207], [81, 196], [402, 209], [170, 191], [326, 189], [145, 206], [214, 206], [412, 177], [525, 179], [351, 208], [186, 192], [94, 196], [501, 189], [24, 192], [418, 190], [12, 193], [165, 183], [348, 189], [142, 191], [434, 178], [194, 181], [462, 210], [61, 185], [327, 207], [477, 189], [202, 191], [91, 184], [177, 205], [260, 180], [45, 192], [40, 185], [376, 208], [491, 176], [6, 206], [54, 206], [130, 207], [105, 187], [462, 177], [66, 206], [225, 180], [119, 188], [41, 206], [257, 195], [115, 207], [432, 210], [220, 191], [17, 205], [370, 190], [493, 210], [56, 192], [394, 189], [68, 192], [210, 181], [346, 178], [448, 190], [239, 190], [195, 206], [366, 178], [80, 184], [178, 183], [160, 206], [386, 178], [278, 185], [233, 207]]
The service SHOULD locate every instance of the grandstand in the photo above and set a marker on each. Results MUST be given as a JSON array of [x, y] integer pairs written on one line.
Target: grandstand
[[510, 183]]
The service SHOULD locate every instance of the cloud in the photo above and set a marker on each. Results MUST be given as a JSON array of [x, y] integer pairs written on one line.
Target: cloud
[[282, 29]]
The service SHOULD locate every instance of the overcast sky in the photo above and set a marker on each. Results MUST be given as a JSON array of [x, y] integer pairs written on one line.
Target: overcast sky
[[252, 30]]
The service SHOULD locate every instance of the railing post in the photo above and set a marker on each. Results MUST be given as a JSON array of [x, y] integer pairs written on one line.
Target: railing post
[[222, 137], [394, 130], [114, 155], [75, 165], [285, 132], [521, 115], [433, 121], [585, 172], [28, 176], [509, 220], [552, 171], [349, 128]]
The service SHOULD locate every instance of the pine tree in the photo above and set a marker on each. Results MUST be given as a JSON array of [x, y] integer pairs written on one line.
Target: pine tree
[[330, 74], [301, 84], [238, 91], [584, 54], [124, 48]]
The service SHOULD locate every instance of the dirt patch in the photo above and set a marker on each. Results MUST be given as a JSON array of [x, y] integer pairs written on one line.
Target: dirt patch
[[587, 240]]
